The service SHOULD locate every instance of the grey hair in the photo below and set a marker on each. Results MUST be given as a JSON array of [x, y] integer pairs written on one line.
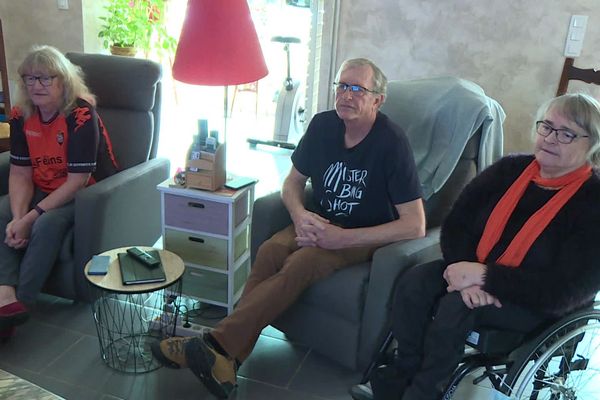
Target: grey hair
[[53, 62], [379, 78], [584, 111]]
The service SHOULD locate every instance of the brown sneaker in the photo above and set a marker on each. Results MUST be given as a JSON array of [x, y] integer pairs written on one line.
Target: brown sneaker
[[217, 372], [170, 352]]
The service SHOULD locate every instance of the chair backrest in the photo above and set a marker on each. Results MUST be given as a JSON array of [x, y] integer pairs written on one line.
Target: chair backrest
[[5, 92], [571, 72], [444, 120], [128, 92]]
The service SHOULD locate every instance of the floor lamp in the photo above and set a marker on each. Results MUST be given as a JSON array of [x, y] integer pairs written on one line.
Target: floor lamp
[[218, 46]]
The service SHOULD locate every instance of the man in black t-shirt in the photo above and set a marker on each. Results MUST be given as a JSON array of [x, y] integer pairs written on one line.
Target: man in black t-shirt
[[367, 194]]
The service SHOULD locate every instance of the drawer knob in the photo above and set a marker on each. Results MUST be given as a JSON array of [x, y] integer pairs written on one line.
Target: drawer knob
[[195, 239], [195, 205]]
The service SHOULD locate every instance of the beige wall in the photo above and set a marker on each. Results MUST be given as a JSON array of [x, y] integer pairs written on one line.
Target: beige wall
[[29, 22], [512, 48]]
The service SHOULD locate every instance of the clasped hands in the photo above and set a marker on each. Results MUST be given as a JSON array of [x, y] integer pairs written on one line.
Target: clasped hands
[[17, 233], [467, 278], [312, 230]]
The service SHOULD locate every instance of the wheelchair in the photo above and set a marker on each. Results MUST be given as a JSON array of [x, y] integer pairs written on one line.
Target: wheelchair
[[562, 362]]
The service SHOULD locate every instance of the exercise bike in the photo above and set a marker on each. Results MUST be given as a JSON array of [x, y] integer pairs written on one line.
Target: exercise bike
[[289, 114]]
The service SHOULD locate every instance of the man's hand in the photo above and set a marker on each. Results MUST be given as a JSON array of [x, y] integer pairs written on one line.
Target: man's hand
[[329, 236], [306, 219], [464, 274], [474, 297]]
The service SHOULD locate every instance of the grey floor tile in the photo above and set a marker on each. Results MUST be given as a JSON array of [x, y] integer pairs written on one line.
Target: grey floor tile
[[81, 364], [273, 361], [36, 345], [321, 377], [66, 314], [164, 383], [252, 390]]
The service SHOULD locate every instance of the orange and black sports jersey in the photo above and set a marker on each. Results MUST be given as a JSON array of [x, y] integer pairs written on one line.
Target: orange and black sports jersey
[[76, 143]]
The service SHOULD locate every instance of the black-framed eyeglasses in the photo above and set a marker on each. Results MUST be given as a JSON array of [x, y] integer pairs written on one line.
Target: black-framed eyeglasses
[[45, 80], [563, 136], [341, 87]]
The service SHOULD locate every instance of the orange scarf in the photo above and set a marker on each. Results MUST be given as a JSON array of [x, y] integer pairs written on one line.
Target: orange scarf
[[535, 225]]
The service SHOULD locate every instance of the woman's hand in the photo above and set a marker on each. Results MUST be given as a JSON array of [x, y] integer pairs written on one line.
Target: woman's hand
[[463, 274], [474, 297], [17, 233]]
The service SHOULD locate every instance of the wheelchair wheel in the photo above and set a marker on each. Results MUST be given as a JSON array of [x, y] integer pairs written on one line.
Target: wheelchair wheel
[[562, 363]]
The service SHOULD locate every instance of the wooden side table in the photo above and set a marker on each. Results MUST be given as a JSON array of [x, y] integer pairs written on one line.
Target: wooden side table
[[125, 315]]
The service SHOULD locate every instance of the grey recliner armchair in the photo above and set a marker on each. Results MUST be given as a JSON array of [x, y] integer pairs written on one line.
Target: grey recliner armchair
[[451, 124], [123, 209]]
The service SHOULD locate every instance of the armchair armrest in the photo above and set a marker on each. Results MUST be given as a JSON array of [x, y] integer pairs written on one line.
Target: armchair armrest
[[4, 169], [389, 262], [121, 210], [269, 216]]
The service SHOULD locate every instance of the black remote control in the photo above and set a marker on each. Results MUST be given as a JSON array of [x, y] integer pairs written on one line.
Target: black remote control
[[143, 256]]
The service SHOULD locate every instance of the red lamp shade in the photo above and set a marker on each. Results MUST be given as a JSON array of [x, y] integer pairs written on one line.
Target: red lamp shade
[[218, 45]]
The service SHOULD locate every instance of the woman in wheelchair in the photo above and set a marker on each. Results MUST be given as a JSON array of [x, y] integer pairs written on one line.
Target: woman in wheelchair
[[519, 248]]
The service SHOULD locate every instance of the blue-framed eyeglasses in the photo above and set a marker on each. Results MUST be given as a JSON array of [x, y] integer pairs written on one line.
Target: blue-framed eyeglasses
[[563, 136], [341, 87]]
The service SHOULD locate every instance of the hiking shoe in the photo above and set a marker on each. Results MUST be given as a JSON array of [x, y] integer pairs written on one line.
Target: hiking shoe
[[170, 352], [216, 371]]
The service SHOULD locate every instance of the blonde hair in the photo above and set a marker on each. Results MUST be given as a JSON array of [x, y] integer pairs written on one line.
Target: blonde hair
[[51, 61], [584, 111]]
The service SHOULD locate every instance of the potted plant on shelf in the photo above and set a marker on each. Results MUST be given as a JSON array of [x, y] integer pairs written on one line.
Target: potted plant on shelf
[[133, 25]]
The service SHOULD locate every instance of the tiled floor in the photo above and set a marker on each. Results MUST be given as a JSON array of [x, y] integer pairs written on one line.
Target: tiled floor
[[58, 350]]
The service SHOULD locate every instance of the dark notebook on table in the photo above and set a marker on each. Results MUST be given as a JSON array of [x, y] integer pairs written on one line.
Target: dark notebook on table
[[135, 272]]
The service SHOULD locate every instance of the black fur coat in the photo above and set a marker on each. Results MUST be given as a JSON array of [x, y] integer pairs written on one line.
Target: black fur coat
[[561, 271]]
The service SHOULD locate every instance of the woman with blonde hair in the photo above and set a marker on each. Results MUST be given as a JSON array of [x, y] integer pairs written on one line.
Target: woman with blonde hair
[[58, 146]]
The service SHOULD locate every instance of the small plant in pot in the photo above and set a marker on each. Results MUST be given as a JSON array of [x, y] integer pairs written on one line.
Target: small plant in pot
[[136, 25]]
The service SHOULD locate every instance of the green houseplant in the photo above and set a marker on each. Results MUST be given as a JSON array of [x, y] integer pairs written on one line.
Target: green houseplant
[[137, 24]]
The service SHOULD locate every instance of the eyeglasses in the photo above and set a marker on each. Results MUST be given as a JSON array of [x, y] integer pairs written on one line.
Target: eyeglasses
[[563, 136], [45, 80], [341, 87]]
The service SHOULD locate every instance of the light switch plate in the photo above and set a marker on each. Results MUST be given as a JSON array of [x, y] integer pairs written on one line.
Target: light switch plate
[[62, 4], [575, 35]]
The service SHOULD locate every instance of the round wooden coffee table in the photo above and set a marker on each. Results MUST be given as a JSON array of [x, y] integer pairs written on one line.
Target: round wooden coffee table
[[130, 317]]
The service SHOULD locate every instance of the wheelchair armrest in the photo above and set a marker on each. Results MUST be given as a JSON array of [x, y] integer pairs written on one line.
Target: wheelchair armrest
[[491, 341], [389, 262]]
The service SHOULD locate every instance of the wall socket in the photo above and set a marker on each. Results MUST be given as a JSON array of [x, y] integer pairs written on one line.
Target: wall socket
[[62, 4]]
